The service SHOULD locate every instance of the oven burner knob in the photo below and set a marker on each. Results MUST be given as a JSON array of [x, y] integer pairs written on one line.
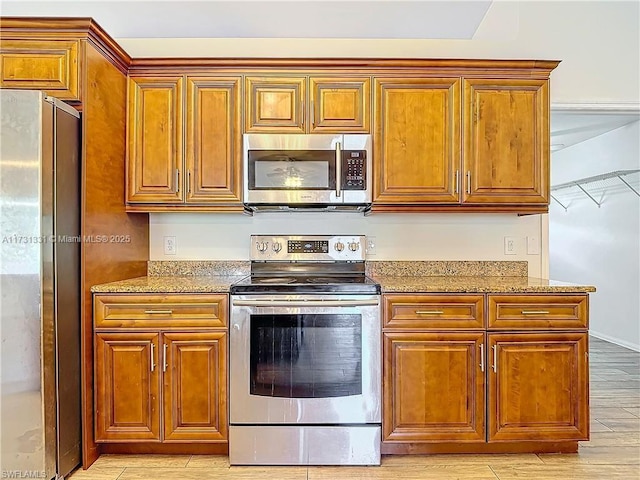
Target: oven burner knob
[[339, 246], [354, 246], [262, 246], [277, 246]]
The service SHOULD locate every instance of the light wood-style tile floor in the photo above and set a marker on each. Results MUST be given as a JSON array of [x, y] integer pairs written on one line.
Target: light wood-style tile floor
[[612, 453]]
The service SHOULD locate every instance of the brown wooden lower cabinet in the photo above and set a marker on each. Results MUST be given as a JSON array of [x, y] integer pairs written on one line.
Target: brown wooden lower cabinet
[[434, 387], [131, 366], [538, 387]]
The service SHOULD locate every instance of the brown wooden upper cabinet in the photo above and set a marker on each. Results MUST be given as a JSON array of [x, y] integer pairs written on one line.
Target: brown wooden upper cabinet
[[416, 140], [307, 104], [418, 157], [201, 166], [49, 65], [506, 147]]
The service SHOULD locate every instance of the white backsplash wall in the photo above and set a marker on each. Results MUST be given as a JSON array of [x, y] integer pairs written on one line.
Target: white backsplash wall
[[410, 236]]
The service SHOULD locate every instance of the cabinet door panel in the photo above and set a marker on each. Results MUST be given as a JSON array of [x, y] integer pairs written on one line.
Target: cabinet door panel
[[416, 141], [506, 151], [274, 104], [195, 387], [155, 140], [127, 387], [339, 105], [214, 140], [433, 387], [538, 389], [49, 65]]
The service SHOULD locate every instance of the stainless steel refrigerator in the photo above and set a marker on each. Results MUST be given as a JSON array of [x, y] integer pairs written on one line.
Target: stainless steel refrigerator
[[40, 423]]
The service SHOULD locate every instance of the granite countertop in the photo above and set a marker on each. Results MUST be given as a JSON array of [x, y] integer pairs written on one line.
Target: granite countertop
[[170, 284], [475, 284], [393, 276]]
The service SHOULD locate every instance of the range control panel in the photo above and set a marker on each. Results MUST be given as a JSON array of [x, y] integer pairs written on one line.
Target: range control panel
[[308, 247], [354, 170]]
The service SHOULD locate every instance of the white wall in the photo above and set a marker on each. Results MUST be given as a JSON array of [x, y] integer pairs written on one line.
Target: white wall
[[597, 41], [398, 236], [600, 246]]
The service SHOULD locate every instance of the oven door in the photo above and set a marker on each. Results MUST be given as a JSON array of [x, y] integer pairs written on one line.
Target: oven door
[[298, 359]]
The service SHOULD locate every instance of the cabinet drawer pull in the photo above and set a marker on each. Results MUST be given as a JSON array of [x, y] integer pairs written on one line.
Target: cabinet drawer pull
[[164, 357], [535, 312], [429, 312], [153, 356], [482, 357], [158, 312]]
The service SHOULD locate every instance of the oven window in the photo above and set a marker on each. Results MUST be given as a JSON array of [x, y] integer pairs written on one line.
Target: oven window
[[291, 170], [306, 356]]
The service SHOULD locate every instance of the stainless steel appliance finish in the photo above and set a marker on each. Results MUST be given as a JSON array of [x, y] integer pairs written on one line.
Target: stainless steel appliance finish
[[304, 355], [285, 172], [40, 279]]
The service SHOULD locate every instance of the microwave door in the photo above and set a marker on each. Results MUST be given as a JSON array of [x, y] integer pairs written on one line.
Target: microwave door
[[292, 171]]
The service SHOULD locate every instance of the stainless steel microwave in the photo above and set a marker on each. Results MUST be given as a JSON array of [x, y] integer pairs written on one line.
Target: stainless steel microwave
[[297, 171]]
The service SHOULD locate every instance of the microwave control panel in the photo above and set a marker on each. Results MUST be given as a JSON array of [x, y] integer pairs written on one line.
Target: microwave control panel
[[354, 170]]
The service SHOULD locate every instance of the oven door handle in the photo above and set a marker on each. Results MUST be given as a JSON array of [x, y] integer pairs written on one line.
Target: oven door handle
[[301, 303]]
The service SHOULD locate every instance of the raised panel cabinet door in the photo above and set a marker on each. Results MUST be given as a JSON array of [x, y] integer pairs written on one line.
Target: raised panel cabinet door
[[214, 140], [433, 387], [416, 141], [195, 386], [538, 387], [506, 146], [275, 104], [339, 104], [49, 65], [127, 379], [155, 145]]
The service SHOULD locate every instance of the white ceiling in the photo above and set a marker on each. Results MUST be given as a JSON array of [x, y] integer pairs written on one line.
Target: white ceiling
[[414, 19]]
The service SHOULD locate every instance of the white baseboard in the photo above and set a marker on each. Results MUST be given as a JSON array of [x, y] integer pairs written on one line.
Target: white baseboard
[[633, 346]]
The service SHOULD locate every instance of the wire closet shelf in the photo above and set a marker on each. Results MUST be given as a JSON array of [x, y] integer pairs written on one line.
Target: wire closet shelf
[[619, 174]]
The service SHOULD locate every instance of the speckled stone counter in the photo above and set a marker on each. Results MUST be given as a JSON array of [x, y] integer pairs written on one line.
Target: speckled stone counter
[[174, 284], [422, 268], [475, 284]]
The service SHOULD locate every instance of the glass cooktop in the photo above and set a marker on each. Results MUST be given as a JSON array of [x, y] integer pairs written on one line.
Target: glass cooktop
[[306, 284]]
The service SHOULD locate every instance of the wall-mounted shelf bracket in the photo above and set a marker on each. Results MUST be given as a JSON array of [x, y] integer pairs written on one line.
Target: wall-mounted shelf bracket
[[588, 195], [559, 202]]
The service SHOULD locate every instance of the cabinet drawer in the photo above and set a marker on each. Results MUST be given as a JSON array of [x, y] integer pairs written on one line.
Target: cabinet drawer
[[160, 311], [434, 311], [50, 65], [538, 312]]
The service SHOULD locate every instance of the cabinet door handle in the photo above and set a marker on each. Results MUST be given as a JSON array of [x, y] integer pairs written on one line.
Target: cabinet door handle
[[188, 181], [164, 357], [302, 113], [482, 357], [429, 312], [158, 312], [495, 359], [469, 182], [535, 312], [153, 356], [177, 180], [457, 182], [338, 169], [313, 115]]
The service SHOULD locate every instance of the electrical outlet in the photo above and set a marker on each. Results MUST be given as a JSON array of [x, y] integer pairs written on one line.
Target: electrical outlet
[[371, 246], [509, 246], [170, 245], [533, 246]]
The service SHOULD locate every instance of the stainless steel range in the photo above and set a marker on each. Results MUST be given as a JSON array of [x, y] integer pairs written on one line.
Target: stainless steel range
[[305, 364]]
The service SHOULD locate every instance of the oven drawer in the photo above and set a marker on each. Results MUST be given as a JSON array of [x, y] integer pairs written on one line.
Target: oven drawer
[[538, 312], [160, 311], [441, 312]]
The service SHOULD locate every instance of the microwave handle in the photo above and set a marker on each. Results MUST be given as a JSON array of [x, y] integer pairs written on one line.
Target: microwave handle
[[338, 169]]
